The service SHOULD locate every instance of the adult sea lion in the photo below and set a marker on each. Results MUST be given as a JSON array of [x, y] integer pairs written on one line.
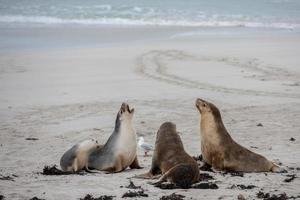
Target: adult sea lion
[[171, 160], [76, 158], [218, 148], [120, 150]]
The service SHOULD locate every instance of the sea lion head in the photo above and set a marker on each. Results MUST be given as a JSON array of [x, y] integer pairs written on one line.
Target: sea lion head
[[165, 129], [167, 126], [207, 109], [89, 145], [125, 113]]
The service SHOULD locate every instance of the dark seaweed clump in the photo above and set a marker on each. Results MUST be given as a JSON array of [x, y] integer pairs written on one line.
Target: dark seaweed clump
[[267, 196], [139, 193], [173, 197], [6, 178], [53, 170], [205, 186], [103, 197], [205, 177], [32, 138], [132, 186], [1, 197], [36, 198], [291, 177], [234, 173], [166, 186], [206, 167], [198, 158], [292, 139], [203, 165], [169, 186], [243, 187]]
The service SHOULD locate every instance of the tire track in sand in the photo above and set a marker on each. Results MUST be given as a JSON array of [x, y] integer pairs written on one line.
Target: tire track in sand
[[152, 64]]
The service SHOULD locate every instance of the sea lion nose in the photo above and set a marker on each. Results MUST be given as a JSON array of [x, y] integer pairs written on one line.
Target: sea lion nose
[[198, 102], [124, 106]]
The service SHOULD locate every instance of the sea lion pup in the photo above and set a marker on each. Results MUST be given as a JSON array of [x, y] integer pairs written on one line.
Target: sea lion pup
[[76, 158], [218, 148], [120, 150], [170, 159]]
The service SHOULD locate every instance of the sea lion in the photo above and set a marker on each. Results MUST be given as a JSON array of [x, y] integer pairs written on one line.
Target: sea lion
[[218, 148], [171, 160], [76, 158], [120, 150]]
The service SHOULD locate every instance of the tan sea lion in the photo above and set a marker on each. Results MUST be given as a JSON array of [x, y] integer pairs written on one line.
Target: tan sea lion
[[171, 160], [76, 158], [218, 148], [120, 150]]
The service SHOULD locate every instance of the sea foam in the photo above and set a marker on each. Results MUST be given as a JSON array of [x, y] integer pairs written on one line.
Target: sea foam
[[140, 22]]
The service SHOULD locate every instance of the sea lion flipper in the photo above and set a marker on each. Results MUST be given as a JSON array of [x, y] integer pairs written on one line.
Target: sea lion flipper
[[162, 179], [152, 172], [147, 175], [75, 165], [218, 163], [90, 171], [275, 168], [157, 183], [135, 164]]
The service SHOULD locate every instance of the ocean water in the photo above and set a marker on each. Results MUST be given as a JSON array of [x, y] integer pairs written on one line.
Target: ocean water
[[277, 14]]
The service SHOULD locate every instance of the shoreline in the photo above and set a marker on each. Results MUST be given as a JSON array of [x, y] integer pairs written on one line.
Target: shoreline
[[53, 37]]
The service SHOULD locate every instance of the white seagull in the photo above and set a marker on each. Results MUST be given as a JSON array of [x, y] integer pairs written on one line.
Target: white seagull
[[146, 147]]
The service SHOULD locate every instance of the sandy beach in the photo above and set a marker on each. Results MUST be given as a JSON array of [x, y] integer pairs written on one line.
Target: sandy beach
[[63, 90]]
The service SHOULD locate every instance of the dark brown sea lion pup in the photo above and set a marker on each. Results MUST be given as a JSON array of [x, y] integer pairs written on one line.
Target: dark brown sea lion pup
[[171, 160], [218, 148], [120, 150]]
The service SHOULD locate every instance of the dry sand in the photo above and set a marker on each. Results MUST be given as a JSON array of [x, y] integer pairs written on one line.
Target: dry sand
[[63, 96]]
